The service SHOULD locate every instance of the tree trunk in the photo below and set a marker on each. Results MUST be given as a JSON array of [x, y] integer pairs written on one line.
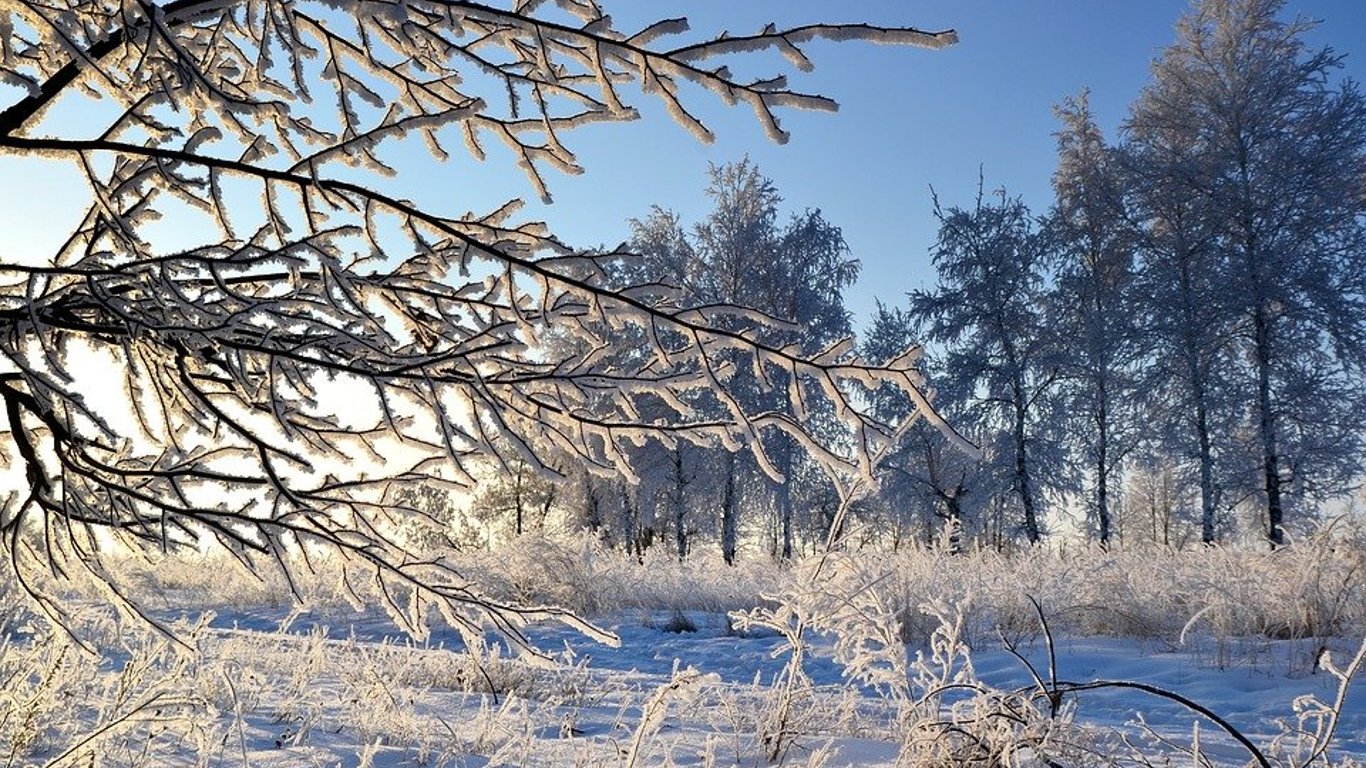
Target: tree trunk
[[729, 502], [955, 524], [1207, 498], [1101, 343], [545, 511], [592, 505], [677, 500], [1263, 353], [517, 500], [1267, 427], [1103, 467], [782, 496], [1022, 483], [629, 518], [1195, 371], [1254, 257]]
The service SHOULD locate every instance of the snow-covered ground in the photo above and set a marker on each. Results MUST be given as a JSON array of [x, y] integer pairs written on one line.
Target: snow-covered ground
[[589, 711], [259, 683]]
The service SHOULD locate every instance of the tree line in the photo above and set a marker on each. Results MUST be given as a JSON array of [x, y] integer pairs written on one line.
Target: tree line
[[1193, 304], [1180, 339]]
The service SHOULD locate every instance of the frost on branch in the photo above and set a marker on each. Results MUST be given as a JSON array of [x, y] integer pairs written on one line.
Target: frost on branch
[[279, 335]]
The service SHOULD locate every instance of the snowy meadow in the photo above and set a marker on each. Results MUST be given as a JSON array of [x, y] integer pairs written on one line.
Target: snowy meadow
[[320, 449], [1140, 657]]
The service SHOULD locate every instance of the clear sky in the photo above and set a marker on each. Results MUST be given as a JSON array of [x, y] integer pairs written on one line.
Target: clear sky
[[909, 119]]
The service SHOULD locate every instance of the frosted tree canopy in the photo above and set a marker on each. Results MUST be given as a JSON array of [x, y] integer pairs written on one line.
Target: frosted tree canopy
[[253, 329]]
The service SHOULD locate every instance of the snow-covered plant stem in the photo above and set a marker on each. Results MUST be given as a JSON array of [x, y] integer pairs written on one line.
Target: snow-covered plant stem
[[832, 593], [684, 685]]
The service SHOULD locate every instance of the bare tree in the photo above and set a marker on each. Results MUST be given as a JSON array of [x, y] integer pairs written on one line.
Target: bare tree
[[282, 332], [742, 254]]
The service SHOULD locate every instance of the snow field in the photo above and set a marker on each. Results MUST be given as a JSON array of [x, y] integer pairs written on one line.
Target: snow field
[[905, 660]]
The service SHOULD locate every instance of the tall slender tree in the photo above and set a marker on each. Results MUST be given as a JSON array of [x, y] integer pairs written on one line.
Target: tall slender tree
[[987, 314], [1091, 299], [806, 288], [664, 261], [1185, 320], [1284, 152]]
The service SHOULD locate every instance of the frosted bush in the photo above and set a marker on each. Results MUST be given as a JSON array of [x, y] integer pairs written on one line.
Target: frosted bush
[[60, 704]]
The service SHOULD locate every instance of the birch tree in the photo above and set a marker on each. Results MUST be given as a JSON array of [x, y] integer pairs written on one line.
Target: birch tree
[[742, 254], [986, 312], [1287, 148], [666, 259], [281, 331], [1092, 303], [1185, 317]]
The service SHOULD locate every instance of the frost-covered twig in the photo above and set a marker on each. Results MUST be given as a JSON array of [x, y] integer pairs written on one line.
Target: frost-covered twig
[[682, 687], [311, 334]]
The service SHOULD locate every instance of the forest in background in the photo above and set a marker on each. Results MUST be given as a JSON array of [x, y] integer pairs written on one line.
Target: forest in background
[[1173, 352]]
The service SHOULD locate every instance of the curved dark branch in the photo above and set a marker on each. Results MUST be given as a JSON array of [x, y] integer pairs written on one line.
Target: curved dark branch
[[784, 355], [15, 117]]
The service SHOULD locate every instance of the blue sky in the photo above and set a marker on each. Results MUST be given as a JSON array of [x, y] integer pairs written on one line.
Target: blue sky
[[909, 119]]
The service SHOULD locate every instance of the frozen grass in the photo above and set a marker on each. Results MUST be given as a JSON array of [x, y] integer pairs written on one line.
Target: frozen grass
[[1316, 588], [861, 658]]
